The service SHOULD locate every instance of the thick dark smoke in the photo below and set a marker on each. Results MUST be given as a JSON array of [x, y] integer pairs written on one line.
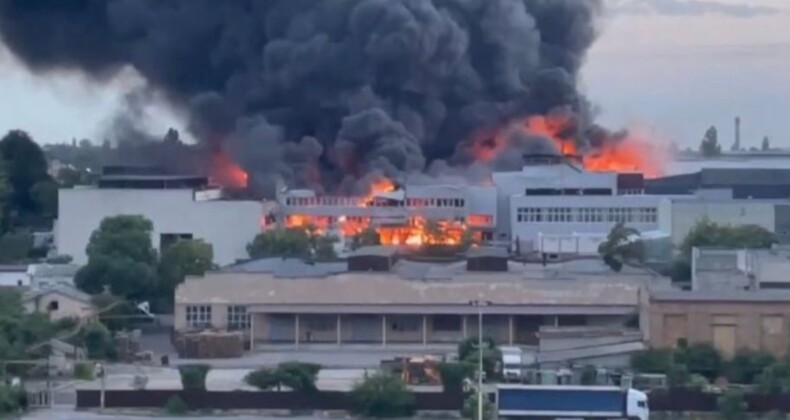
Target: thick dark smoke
[[317, 92]]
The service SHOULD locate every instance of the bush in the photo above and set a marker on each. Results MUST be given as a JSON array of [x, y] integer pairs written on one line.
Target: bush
[[297, 376], [732, 406], [12, 400], [98, 341], [382, 396], [747, 365], [175, 406], [468, 353], [15, 247], [652, 361], [83, 371], [702, 359], [194, 376], [453, 375], [470, 408]]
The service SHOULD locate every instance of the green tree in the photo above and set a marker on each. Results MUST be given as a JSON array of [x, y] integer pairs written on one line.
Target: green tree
[[194, 376], [13, 399], [746, 366], [766, 146], [22, 332], [175, 406], [732, 406], [453, 375], [382, 396], [776, 377], [469, 353], [98, 341], [26, 166], [191, 257], [652, 361], [4, 190], [45, 196], [701, 359], [622, 246], [297, 376], [115, 312], [121, 257], [289, 243], [710, 146], [470, 408]]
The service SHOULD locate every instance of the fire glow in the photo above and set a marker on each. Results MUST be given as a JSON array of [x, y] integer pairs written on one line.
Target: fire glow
[[227, 173], [622, 155]]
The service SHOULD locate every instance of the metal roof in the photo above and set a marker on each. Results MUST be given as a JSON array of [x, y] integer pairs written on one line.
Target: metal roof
[[744, 176]]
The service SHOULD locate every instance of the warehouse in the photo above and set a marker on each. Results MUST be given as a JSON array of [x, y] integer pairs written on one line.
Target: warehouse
[[413, 304]]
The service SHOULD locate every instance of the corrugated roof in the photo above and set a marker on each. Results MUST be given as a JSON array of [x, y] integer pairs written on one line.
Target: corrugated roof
[[388, 289]]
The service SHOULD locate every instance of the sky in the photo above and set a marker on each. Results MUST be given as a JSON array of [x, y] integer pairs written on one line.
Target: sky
[[669, 67]]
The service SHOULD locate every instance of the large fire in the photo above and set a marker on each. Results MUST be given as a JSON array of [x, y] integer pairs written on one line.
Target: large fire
[[626, 154], [227, 173]]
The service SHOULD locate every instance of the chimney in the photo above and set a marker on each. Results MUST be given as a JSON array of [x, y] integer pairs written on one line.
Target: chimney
[[737, 145]]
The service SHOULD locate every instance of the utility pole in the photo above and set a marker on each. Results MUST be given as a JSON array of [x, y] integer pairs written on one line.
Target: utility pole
[[479, 304]]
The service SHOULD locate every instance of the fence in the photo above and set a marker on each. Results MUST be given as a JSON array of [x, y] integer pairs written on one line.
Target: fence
[[683, 400], [257, 400]]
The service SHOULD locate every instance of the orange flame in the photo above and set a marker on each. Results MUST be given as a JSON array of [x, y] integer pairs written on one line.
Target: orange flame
[[228, 174], [629, 154]]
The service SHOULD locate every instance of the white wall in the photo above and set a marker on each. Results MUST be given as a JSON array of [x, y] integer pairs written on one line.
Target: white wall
[[684, 214], [527, 232], [67, 307], [14, 278], [227, 225]]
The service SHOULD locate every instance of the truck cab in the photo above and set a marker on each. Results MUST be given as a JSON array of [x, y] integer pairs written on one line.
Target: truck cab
[[512, 363]]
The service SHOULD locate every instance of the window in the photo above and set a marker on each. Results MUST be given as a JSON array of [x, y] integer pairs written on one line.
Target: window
[[529, 214], [238, 318], [559, 215], [167, 239], [53, 305], [641, 404], [446, 323], [198, 316], [406, 323]]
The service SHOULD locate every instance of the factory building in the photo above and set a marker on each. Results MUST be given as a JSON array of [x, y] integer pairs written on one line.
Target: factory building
[[178, 206], [745, 183], [412, 303], [557, 200], [678, 214]]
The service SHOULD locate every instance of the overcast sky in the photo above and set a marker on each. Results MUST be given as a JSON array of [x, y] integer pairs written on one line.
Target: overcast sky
[[672, 66]]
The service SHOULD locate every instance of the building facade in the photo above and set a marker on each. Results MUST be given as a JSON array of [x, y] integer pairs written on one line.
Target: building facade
[[730, 320], [228, 225]]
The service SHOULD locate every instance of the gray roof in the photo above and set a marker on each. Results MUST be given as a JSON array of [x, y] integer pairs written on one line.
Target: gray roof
[[388, 289], [54, 270], [744, 176], [287, 267], [379, 251], [13, 268], [590, 352], [61, 289], [717, 262]]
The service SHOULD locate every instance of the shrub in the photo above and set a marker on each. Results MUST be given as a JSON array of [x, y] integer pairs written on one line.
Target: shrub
[[12, 400], [83, 371], [702, 359], [175, 406], [652, 361], [453, 375], [98, 341], [732, 406], [468, 353], [382, 396], [470, 408], [747, 365], [297, 376], [194, 376]]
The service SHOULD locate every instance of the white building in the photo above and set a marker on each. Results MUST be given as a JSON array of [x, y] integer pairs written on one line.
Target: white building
[[59, 301], [177, 207], [561, 203], [14, 276], [678, 215]]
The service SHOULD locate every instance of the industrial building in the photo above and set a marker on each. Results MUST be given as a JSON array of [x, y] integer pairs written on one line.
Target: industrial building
[[745, 183], [407, 302], [178, 207], [679, 214]]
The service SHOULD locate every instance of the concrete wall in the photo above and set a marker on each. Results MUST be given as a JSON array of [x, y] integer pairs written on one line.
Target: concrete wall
[[687, 213], [67, 307], [227, 225], [756, 326], [14, 278]]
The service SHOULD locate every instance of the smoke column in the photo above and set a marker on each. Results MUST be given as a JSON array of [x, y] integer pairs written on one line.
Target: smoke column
[[323, 93]]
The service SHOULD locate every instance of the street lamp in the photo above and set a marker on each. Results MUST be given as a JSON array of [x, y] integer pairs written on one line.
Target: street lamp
[[479, 304]]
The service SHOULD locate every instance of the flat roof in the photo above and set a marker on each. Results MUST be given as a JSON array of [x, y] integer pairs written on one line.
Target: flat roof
[[723, 296], [385, 289]]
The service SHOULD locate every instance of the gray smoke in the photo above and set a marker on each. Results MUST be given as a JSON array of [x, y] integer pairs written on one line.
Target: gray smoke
[[320, 92]]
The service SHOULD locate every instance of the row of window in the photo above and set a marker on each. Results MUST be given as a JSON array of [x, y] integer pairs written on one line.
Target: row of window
[[199, 316], [587, 215], [356, 201]]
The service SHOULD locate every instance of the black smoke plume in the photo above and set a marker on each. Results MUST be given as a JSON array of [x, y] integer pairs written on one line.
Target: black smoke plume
[[317, 92]]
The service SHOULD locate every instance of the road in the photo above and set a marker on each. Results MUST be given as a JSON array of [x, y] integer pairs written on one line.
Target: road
[[70, 414]]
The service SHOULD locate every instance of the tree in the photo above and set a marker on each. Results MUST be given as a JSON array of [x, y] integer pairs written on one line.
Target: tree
[[732, 406], [468, 352], [747, 365], [13, 399], [700, 359], [175, 406], [189, 257], [26, 166], [382, 396], [193, 377], [453, 375], [121, 257], [286, 243], [652, 361], [45, 196], [325, 248], [622, 246], [297, 376], [98, 341], [470, 408], [4, 189], [710, 146], [766, 146]]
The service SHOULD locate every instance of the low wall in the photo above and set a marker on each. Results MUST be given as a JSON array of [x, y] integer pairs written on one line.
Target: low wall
[[255, 400]]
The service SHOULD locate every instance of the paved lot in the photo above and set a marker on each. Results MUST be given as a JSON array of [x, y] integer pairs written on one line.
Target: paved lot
[[68, 414]]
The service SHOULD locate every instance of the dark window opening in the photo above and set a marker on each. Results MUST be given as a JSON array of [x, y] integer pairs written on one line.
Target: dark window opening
[[53, 306], [446, 323], [168, 239]]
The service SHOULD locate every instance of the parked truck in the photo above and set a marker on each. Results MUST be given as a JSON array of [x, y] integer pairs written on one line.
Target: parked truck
[[512, 363], [535, 402]]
